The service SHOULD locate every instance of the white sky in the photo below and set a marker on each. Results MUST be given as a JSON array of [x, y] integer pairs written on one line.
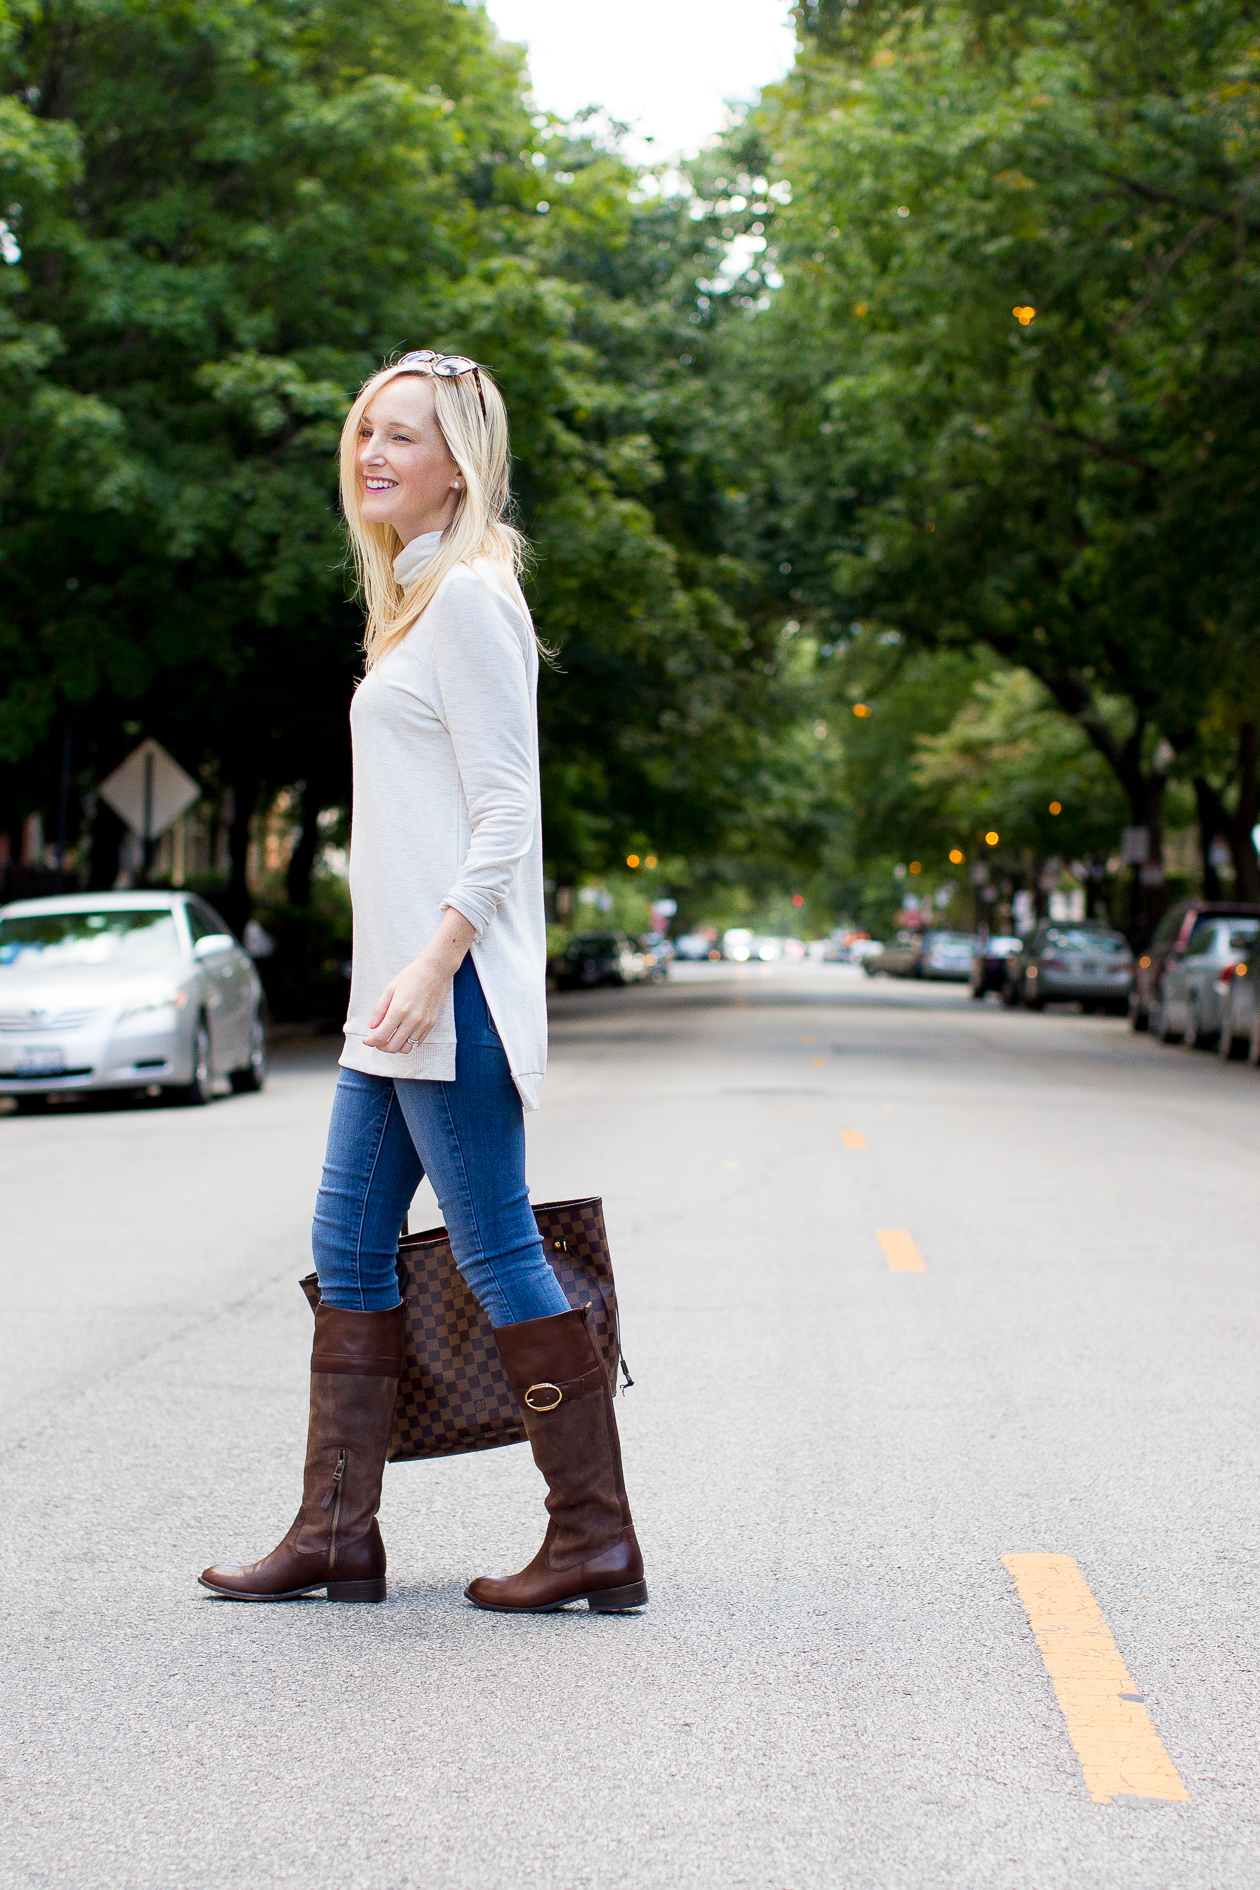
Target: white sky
[[666, 67]]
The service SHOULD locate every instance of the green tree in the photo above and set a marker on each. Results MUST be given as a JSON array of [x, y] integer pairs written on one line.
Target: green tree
[[1068, 485], [230, 214]]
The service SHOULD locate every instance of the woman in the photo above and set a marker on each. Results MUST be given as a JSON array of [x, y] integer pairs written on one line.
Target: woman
[[447, 1032]]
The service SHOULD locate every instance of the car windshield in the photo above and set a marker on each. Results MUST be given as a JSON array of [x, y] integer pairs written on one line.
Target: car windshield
[[51, 940], [1080, 939], [950, 938], [1241, 932]]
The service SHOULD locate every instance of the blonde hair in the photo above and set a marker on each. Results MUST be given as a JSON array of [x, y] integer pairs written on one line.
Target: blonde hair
[[478, 444]]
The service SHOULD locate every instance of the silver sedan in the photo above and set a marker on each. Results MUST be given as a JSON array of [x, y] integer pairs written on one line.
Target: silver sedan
[[126, 991]]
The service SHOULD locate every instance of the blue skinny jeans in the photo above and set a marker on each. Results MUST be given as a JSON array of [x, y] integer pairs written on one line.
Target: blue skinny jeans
[[468, 1137]]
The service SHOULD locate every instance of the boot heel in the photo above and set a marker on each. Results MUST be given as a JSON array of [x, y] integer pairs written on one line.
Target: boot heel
[[616, 1600], [356, 1591]]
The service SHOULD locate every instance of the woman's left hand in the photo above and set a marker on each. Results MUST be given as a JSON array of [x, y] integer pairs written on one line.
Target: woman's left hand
[[411, 1004]]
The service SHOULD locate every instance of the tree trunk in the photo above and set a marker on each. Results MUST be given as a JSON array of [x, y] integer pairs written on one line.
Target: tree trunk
[[302, 862], [239, 905], [1246, 867], [1146, 804], [108, 834], [1212, 821]]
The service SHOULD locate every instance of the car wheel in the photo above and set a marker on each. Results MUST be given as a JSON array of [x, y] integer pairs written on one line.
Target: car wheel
[[1253, 1048], [245, 1082], [1196, 1036], [31, 1105], [1160, 1025], [1231, 1048], [200, 1091], [1138, 1018]]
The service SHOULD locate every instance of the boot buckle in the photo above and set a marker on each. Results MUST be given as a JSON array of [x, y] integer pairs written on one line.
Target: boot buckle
[[546, 1385]]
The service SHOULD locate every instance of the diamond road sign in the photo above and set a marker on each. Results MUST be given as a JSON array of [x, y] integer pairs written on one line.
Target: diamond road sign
[[149, 790]]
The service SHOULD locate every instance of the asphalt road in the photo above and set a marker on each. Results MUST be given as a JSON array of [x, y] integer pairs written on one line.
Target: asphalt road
[[836, 1683]]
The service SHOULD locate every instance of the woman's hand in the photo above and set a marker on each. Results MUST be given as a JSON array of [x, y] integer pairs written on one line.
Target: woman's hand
[[410, 1005]]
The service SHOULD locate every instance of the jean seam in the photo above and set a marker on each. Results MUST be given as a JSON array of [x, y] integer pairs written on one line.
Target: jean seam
[[471, 1199], [367, 1195]]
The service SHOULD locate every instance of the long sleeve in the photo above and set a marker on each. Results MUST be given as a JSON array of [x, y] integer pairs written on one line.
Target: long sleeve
[[483, 679]]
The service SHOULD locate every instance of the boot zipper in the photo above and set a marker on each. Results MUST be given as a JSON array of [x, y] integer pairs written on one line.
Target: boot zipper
[[334, 1497]]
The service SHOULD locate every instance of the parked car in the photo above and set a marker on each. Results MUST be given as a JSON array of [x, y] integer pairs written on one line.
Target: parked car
[[600, 958], [1239, 1034], [737, 944], [1172, 935], [896, 959], [694, 946], [1081, 960], [988, 963], [1188, 996], [934, 954], [947, 955], [860, 949], [124, 990]]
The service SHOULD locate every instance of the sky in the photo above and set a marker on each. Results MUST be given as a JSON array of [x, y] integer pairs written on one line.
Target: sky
[[666, 67]]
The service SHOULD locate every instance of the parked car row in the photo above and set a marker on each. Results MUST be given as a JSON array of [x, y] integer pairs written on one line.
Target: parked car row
[[598, 958], [1195, 982], [936, 953]]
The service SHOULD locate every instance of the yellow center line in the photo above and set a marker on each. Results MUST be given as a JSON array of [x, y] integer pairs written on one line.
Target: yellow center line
[[853, 1138], [900, 1251], [1121, 1753]]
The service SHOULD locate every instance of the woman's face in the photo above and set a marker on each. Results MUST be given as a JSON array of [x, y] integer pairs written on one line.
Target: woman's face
[[407, 477]]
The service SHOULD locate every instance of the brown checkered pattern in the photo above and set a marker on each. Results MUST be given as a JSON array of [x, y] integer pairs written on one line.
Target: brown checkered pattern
[[454, 1394]]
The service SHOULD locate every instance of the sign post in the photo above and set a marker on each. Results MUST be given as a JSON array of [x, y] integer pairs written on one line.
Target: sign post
[[149, 791]]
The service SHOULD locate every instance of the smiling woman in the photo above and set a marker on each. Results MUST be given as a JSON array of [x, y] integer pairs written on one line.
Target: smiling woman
[[446, 1035]]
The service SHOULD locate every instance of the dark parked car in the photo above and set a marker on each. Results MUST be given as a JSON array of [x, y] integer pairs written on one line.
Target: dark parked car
[[988, 963], [1188, 998], [1172, 935], [600, 958], [1071, 960]]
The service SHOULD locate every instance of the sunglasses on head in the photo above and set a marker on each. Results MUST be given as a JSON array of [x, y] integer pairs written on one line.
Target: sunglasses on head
[[449, 367]]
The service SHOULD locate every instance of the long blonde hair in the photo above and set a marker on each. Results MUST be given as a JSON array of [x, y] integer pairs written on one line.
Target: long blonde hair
[[478, 444]]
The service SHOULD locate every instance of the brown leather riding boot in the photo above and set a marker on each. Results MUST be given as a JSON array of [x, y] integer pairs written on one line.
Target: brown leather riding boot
[[589, 1552], [335, 1543]]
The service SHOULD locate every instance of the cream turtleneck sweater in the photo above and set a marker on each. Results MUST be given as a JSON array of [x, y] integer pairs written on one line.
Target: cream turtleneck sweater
[[446, 813]]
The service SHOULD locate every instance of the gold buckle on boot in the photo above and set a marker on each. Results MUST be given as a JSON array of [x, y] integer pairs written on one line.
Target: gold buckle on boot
[[546, 1385]]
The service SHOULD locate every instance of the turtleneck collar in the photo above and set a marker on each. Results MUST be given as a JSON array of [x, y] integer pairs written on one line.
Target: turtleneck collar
[[413, 557]]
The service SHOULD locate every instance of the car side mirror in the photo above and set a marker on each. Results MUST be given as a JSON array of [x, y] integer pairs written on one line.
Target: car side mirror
[[212, 944]]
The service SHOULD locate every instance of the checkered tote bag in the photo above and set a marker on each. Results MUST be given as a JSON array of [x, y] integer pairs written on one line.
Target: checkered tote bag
[[454, 1393]]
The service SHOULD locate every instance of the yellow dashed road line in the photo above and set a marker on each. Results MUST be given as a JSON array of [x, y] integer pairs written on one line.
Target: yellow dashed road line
[[900, 1251], [853, 1138], [1121, 1753]]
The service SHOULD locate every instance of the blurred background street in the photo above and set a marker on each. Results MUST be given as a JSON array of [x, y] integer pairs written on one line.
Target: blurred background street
[[835, 1681]]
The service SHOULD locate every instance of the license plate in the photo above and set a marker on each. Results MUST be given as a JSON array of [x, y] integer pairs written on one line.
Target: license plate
[[47, 1060]]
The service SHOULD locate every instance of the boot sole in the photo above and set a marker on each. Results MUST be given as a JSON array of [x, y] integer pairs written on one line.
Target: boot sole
[[598, 1600], [335, 1591]]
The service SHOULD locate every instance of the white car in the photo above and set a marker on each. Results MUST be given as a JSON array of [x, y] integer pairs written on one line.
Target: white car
[[125, 991]]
